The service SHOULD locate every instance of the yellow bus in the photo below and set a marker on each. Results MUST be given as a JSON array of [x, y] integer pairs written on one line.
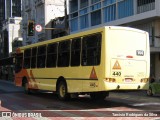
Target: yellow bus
[[91, 62]]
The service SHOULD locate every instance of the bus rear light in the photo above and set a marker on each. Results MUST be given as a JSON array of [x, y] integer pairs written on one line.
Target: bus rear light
[[129, 56], [110, 80], [128, 80], [144, 80]]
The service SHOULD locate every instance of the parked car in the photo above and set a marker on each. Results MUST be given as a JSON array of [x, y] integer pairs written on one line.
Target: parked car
[[154, 88]]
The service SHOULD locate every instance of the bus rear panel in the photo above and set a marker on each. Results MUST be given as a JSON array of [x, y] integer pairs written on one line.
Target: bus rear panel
[[127, 59]]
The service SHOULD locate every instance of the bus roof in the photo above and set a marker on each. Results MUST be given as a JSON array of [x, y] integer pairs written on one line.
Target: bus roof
[[79, 34]]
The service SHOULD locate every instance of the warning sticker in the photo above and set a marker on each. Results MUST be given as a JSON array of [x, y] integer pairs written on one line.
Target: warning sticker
[[117, 66], [93, 74]]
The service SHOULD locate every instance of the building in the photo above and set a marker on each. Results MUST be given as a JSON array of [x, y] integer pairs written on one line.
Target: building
[[9, 8], [10, 13], [40, 12], [2, 12], [11, 35], [141, 14]]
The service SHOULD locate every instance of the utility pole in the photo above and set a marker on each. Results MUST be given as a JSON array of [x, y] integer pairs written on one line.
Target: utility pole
[[66, 17]]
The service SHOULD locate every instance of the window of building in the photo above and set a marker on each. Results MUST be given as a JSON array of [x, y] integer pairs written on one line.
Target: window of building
[[108, 2], [83, 11], [95, 7], [75, 52], [91, 50], [73, 15], [84, 23], [110, 13], [125, 8], [74, 24], [33, 58], [96, 18], [83, 3], [52, 55], [27, 58], [41, 56], [64, 53], [73, 5], [94, 1]]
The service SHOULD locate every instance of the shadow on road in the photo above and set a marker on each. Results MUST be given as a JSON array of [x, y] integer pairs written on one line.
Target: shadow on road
[[13, 98]]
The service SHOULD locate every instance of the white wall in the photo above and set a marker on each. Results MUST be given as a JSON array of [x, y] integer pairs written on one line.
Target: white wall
[[13, 32]]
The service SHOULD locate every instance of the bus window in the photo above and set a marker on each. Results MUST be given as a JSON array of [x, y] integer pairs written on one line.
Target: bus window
[[27, 59], [91, 50], [41, 57], [18, 62], [33, 58], [63, 53], [75, 52], [51, 55]]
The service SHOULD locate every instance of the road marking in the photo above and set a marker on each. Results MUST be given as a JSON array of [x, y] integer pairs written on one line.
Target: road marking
[[145, 104]]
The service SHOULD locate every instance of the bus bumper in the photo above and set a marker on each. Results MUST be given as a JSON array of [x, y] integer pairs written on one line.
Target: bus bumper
[[124, 86]]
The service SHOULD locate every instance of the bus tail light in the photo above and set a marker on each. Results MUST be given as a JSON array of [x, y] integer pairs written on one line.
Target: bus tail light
[[144, 80], [129, 56], [110, 80]]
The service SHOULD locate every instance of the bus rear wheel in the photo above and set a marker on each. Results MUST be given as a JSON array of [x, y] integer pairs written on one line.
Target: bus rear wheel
[[99, 95], [149, 92], [26, 87], [62, 91]]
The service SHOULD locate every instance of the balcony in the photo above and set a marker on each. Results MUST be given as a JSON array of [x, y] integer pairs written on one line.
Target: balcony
[[39, 2], [146, 7]]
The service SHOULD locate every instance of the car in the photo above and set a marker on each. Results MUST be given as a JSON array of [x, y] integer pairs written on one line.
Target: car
[[154, 88]]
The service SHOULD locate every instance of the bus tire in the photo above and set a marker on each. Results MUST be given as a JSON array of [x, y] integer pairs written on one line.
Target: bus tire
[[149, 92], [62, 91], [99, 95], [25, 86]]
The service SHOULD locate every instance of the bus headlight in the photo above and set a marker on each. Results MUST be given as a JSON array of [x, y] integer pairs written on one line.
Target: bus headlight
[[144, 80], [110, 80]]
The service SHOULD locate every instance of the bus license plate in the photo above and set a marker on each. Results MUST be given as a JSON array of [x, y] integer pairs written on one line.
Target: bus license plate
[[128, 79]]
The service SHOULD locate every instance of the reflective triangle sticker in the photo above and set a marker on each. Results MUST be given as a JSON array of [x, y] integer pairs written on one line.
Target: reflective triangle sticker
[[93, 74], [116, 66]]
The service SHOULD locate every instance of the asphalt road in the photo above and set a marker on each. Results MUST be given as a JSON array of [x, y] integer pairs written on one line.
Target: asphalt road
[[124, 105]]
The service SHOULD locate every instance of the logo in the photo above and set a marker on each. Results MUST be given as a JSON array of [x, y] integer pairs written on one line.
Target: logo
[[140, 53]]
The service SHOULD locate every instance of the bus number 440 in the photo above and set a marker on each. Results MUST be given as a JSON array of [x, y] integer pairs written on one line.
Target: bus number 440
[[116, 74]]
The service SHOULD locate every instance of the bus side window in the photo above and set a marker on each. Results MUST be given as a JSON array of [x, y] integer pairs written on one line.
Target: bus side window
[[41, 56], [75, 52], [51, 55], [18, 62], [64, 53], [33, 58], [27, 58], [91, 50]]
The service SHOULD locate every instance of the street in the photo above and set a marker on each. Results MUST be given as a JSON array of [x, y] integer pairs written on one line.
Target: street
[[119, 105]]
